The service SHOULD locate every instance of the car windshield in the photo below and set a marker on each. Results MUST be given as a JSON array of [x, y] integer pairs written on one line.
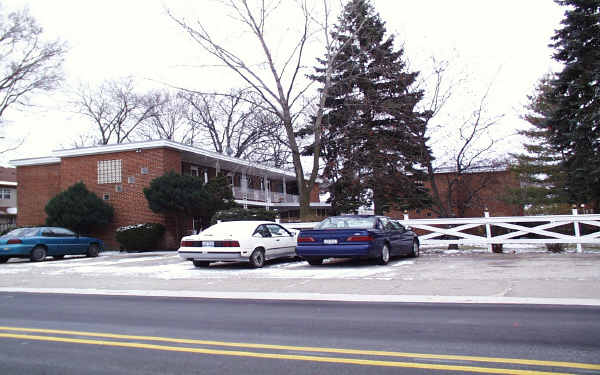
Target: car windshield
[[22, 232], [347, 222]]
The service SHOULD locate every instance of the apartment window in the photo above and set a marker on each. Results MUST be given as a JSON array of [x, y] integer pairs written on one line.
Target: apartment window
[[119, 188], [5, 193], [109, 171], [194, 171], [106, 196], [144, 170]]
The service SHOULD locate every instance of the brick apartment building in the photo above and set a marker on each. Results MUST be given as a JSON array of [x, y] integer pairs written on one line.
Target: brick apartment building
[[8, 197], [119, 173], [472, 192]]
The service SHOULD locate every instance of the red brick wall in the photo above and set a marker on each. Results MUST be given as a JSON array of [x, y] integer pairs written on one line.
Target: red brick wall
[[131, 206], [37, 184], [314, 193], [496, 185]]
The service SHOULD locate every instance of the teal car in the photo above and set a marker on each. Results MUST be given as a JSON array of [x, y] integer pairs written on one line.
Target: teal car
[[36, 243]]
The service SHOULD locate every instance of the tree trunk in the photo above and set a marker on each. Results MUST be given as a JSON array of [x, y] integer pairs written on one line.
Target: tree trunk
[[305, 211]]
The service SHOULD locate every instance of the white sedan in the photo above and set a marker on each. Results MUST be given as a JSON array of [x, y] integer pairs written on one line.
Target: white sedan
[[234, 241]]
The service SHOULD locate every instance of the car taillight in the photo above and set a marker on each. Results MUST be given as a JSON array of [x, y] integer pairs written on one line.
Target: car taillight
[[230, 244], [187, 243], [13, 241], [306, 239], [359, 239]]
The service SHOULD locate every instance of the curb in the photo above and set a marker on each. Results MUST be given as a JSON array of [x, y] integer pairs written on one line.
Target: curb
[[379, 298]]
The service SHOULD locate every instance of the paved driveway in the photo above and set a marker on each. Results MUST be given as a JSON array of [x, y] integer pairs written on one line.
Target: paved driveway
[[540, 274]]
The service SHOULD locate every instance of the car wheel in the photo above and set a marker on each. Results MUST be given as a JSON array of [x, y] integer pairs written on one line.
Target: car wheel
[[93, 250], [384, 257], [200, 263], [415, 250], [257, 259], [4, 259], [58, 256], [315, 261], [38, 254]]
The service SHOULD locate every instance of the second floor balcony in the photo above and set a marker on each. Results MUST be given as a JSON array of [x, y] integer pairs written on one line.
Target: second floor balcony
[[264, 196]]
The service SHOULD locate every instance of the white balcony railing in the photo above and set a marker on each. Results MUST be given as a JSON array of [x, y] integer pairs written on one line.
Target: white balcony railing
[[260, 196]]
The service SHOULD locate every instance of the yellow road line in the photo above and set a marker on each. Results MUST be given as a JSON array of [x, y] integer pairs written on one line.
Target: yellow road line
[[514, 361], [236, 353]]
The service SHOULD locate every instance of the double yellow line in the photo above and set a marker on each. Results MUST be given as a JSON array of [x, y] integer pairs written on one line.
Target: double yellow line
[[297, 357]]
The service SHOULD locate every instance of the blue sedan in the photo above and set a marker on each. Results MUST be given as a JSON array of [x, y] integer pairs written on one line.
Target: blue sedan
[[356, 236], [36, 243]]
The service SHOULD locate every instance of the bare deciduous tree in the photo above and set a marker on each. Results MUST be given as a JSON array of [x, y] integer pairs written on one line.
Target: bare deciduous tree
[[230, 122], [235, 124], [28, 64], [168, 119], [115, 109], [467, 156], [280, 84]]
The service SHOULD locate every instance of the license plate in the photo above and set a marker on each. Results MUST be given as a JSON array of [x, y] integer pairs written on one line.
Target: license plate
[[330, 241], [208, 243]]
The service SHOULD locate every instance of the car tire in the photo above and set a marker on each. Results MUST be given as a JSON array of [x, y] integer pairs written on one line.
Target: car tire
[[257, 259], [58, 256], [415, 250], [4, 259], [93, 251], [38, 254], [315, 261], [200, 263], [384, 256]]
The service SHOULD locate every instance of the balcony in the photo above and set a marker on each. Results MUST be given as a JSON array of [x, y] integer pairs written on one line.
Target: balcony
[[262, 196]]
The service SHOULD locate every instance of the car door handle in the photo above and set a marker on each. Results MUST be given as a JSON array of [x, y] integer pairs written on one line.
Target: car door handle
[[277, 239]]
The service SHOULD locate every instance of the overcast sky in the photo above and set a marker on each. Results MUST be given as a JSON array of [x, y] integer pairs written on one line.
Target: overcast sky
[[499, 43]]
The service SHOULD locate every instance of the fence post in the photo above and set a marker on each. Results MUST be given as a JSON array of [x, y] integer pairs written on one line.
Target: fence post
[[576, 226], [488, 230]]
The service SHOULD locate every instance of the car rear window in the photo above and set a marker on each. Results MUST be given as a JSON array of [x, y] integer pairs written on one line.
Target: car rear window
[[228, 228], [347, 222], [22, 232]]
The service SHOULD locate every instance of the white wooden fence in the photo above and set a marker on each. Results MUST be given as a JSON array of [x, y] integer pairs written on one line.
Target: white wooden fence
[[546, 229]]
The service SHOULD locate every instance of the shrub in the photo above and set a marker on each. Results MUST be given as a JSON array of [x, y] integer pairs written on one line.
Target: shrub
[[244, 214], [182, 195], [78, 209], [140, 236]]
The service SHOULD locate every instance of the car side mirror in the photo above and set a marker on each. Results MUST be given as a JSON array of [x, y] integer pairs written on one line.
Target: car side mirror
[[258, 235], [408, 228]]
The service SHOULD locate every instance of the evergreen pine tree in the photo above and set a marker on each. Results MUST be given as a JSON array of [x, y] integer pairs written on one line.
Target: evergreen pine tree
[[370, 134], [539, 169], [574, 124]]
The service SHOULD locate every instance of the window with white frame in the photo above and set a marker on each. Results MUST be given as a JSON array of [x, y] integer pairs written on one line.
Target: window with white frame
[[5, 193], [109, 171]]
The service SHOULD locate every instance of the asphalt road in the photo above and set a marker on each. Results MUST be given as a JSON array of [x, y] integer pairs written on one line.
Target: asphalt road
[[79, 334]]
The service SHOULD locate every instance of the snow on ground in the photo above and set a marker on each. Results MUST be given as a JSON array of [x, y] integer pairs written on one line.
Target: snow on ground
[[169, 266]]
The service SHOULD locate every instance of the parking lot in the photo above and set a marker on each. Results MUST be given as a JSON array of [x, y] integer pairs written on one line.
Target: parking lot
[[438, 273]]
